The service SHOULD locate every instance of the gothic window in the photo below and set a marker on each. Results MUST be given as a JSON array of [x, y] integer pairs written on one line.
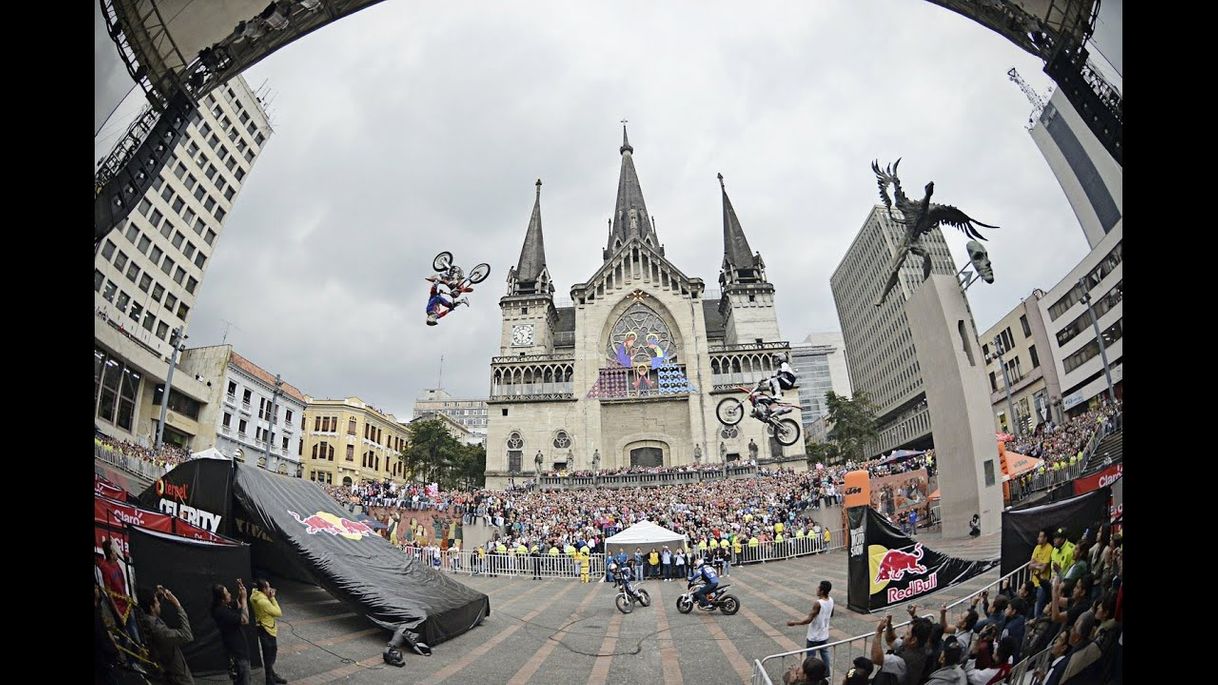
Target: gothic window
[[515, 442], [562, 440], [727, 432], [641, 338]]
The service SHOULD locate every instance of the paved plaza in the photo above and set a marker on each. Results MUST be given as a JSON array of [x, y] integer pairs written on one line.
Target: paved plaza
[[562, 631]]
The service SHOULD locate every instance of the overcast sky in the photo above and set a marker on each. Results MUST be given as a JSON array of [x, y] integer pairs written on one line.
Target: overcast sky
[[410, 128]]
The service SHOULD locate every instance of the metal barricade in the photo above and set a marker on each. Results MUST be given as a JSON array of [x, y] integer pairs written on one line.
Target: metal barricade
[[843, 652]]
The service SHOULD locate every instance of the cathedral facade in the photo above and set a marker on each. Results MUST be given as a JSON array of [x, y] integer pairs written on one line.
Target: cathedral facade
[[631, 372]]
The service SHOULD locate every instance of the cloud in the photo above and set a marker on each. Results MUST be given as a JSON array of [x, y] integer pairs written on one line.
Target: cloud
[[407, 129]]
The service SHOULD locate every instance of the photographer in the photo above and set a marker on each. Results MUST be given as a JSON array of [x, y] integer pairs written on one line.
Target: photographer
[[266, 610], [230, 616], [165, 643]]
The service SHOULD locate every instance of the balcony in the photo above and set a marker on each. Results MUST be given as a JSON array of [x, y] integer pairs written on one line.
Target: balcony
[[246, 408], [227, 430], [230, 400], [619, 383]]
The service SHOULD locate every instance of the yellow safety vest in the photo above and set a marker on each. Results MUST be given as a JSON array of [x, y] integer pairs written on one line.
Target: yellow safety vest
[[753, 542]]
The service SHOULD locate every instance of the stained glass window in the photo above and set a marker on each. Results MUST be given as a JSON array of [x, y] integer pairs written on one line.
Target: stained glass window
[[641, 338]]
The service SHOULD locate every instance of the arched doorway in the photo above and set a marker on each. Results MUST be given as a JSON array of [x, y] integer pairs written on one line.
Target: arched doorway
[[347, 481], [646, 453]]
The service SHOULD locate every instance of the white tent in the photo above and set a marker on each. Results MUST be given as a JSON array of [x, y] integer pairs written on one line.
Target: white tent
[[644, 535], [209, 453]]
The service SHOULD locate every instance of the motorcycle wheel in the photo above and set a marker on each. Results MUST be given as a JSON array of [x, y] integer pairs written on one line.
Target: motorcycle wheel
[[442, 261], [479, 273], [787, 432], [729, 604], [624, 605], [685, 604], [644, 598], [729, 411]]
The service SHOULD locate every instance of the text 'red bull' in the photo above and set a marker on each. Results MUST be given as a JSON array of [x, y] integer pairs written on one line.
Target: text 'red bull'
[[917, 586]]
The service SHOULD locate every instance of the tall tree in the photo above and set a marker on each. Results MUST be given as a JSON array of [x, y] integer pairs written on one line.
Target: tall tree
[[854, 423], [432, 452]]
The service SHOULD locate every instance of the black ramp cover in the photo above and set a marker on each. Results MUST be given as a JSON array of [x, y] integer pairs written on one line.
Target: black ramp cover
[[353, 563]]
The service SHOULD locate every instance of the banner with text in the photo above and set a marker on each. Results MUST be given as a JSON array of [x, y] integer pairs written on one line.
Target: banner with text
[[886, 567]]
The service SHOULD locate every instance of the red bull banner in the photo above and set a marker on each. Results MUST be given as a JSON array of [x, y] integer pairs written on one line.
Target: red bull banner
[[886, 567]]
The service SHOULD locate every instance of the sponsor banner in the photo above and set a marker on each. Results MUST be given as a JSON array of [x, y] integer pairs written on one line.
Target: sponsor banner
[[886, 567], [105, 488], [112, 517], [198, 492], [857, 489], [1098, 479], [1021, 525]]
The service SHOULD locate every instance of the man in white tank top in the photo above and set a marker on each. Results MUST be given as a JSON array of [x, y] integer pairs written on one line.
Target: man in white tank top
[[818, 622]]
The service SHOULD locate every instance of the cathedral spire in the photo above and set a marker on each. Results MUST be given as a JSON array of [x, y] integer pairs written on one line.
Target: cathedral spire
[[630, 217], [531, 275], [740, 264]]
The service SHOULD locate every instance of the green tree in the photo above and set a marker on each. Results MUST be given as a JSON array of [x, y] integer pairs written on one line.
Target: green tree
[[854, 424], [432, 452], [821, 452]]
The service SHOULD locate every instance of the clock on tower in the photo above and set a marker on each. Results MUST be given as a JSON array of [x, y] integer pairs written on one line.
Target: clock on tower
[[522, 335]]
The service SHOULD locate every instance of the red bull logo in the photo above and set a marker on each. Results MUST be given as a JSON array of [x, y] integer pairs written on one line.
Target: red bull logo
[[895, 564], [325, 522]]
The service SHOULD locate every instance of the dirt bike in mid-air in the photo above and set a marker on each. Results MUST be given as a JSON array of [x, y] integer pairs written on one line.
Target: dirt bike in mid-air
[[766, 409], [453, 278]]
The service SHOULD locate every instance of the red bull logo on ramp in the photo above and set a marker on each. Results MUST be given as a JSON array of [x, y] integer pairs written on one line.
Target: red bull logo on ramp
[[894, 565], [325, 522]]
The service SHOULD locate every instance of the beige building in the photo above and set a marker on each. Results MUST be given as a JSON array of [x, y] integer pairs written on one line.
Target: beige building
[[454, 427], [348, 441], [631, 372], [1019, 345], [148, 271]]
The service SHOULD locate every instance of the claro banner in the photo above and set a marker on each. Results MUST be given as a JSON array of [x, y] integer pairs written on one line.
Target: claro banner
[[1098, 479], [886, 567]]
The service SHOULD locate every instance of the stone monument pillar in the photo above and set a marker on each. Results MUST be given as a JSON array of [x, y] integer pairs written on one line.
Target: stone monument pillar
[[953, 373]]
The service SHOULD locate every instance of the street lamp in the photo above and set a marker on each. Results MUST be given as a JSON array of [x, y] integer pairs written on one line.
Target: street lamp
[[179, 339], [1006, 381], [1099, 338]]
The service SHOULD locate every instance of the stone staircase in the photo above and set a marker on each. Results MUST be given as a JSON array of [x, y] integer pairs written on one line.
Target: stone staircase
[[1111, 446]]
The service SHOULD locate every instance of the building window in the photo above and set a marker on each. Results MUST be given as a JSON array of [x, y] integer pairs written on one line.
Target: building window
[[200, 258], [166, 229], [162, 329], [350, 426], [123, 300], [156, 255], [1023, 322], [108, 250], [240, 174], [191, 284], [350, 452], [178, 204], [167, 266], [561, 440], [178, 239], [179, 275], [170, 301], [149, 320], [246, 396], [227, 421], [167, 194], [133, 271], [120, 260], [133, 233], [98, 279], [220, 214], [109, 291], [228, 194], [285, 443], [200, 193], [210, 237], [241, 424], [189, 251], [1035, 357], [145, 241], [993, 383]]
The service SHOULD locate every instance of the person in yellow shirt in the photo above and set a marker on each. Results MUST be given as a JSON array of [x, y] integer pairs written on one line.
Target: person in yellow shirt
[[1063, 553], [1042, 559], [827, 537], [737, 548], [653, 563], [583, 558], [754, 543], [266, 610], [778, 527]]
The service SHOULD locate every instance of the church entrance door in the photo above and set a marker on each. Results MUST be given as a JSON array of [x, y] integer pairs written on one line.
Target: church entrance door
[[647, 457]]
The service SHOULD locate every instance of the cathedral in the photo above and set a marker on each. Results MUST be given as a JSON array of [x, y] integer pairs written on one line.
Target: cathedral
[[630, 373]]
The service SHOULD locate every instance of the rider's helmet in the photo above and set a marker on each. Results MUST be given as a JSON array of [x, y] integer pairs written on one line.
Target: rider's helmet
[[698, 562], [612, 567], [455, 273], [779, 359]]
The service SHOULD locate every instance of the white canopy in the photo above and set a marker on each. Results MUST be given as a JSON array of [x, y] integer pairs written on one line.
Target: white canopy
[[645, 535], [209, 453]]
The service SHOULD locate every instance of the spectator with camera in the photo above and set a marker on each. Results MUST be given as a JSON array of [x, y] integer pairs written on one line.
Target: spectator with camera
[[230, 616], [165, 643], [906, 658], [266, 610], [949, 671]]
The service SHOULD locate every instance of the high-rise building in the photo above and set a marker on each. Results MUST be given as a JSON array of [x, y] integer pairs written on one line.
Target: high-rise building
[[1086, 171], [349, 441], [1076, 350], [631, 372], [820, 363], [148, 271], [470, 414], [879, 347]]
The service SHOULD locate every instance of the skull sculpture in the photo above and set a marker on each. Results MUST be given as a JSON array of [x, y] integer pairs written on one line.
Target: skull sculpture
[[981, 260]]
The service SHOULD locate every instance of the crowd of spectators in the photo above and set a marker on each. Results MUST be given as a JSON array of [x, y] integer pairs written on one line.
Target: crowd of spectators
[[1062, 445], [168, 455], [628, 470]]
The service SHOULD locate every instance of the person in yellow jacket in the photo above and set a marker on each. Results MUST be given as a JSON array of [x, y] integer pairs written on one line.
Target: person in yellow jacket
[[778, 528], [737, 548], [754, 543], [584, 560], [266, 610]]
